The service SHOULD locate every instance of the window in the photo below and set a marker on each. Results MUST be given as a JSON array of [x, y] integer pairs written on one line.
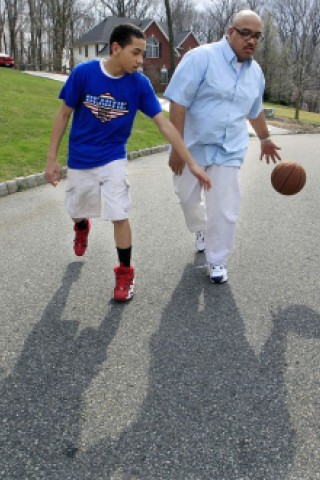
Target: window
[[80, 51], [97, 50], [152, 48], [86, 51]]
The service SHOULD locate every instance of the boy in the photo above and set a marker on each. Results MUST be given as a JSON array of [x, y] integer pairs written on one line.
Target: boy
[[104, 96]]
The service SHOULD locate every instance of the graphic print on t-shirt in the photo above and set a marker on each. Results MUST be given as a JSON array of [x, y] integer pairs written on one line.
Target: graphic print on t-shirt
[[105, 107]]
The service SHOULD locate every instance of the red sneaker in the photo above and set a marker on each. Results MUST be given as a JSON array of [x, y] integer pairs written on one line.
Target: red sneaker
[[123, 290], [81, 239]]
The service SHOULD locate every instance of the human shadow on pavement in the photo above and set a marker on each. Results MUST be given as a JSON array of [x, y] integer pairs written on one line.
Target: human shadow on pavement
[[40, 402], [214, 410]]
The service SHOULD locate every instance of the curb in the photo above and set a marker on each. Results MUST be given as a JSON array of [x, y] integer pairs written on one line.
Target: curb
[[21, 184]]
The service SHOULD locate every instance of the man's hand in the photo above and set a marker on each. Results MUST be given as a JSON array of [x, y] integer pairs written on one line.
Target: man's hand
[[53, 173], [269, 150], [175, 163]]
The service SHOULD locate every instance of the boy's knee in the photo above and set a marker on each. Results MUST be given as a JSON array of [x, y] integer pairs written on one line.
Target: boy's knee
[[120, 222]]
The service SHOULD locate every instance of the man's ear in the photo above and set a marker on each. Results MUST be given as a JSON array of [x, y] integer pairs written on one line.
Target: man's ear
[[229, 30]]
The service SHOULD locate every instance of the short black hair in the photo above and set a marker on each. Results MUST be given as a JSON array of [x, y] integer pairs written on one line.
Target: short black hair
[[122, 34]]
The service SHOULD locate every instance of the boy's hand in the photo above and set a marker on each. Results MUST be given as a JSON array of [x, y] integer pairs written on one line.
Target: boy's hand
[[53, 173], [201, 175]]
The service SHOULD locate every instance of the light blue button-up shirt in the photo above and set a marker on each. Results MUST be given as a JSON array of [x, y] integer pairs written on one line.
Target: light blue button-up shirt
[[219, 95]]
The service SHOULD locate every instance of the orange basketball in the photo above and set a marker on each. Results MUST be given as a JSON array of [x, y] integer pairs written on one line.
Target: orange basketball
[[288, 178]]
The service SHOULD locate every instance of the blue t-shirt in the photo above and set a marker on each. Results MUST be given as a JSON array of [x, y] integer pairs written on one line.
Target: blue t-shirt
[[104, 112], [219, 94]]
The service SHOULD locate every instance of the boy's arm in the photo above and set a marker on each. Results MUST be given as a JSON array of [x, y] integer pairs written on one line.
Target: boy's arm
[[52, 170], [173, 136]]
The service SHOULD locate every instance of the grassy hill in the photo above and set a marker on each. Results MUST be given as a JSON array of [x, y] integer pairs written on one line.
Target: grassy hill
[[28, 105]]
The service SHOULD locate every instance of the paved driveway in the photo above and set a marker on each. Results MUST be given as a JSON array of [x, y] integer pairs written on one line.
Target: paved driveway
[[188, 381]]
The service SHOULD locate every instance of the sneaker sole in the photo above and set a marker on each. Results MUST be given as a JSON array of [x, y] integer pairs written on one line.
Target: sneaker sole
[[121, 300], [218, 280]]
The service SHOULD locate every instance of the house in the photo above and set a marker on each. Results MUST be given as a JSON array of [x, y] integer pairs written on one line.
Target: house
[[95, 44]]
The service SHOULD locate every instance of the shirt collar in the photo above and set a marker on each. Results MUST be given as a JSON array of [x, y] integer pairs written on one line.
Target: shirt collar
[[229, 54]]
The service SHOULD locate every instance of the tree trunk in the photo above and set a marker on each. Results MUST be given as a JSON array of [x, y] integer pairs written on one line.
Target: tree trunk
[[171, 38]]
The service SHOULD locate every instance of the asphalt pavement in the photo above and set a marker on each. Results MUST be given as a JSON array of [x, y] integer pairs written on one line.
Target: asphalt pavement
[[189, 380]]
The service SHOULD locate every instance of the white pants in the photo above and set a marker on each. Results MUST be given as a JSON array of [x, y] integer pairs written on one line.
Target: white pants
[[215, 211]]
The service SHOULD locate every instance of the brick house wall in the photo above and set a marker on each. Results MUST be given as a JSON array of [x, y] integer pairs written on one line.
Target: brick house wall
[[152, 66], [187, 45]]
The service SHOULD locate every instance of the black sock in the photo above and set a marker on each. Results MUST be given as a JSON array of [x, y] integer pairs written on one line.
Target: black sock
[[82, 225], [124, 255]]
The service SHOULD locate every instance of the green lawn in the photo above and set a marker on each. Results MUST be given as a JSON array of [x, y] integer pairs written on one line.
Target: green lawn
[[288, 112], [27, 108]]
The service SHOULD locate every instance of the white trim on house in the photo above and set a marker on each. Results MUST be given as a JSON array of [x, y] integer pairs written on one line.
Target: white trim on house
[[91, 52], [185, 38]]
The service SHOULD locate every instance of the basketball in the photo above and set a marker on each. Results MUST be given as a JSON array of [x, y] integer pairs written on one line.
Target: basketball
[[288, 178]]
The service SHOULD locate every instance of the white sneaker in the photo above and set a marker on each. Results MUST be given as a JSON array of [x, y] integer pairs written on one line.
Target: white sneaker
[[217, 273], [200, 243]]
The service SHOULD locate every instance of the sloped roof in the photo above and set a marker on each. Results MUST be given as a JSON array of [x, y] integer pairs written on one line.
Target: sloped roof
[[179, 37], [101, 32]]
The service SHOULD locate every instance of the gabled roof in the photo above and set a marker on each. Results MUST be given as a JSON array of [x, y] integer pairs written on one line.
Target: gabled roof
[[182, 36], [101, 32], [179, 37]]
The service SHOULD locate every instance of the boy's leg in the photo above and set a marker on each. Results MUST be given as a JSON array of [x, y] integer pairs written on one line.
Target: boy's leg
[[124, 273], [122, 238], [115, 192], [81, 228], [82, 200]]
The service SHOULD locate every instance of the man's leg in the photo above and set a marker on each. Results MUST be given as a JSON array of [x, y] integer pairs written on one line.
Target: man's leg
[[223, 205], [191, 200]]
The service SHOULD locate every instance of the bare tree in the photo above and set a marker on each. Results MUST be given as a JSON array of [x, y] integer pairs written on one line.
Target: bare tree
[[221, 13], [171, 37], [2, 24], [183, 15], [35, 46], [255, 5], [13, 9], [299, 30], [268, 55], [128, 8], [62, 19]]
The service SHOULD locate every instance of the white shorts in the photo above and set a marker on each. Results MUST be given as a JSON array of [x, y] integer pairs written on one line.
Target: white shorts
[[88, 189]]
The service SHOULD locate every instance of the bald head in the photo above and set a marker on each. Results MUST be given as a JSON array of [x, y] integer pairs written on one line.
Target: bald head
[[245, 15]]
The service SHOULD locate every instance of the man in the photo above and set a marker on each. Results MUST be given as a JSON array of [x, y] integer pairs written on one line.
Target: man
[[214, 89], [104, 96]]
